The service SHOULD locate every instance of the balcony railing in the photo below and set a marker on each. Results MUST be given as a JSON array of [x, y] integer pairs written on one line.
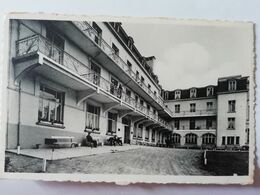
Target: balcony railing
[[94, 36], [196, 127], [38, 43], [195, 113]]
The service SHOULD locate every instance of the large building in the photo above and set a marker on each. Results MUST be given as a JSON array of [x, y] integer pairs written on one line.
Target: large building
[[68, 78], [212, 115], [73, 77]]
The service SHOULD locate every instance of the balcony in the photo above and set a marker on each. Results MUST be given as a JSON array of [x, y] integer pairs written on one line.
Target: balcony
[[196, 113], [97, 47], [37, 54], [200, 131]]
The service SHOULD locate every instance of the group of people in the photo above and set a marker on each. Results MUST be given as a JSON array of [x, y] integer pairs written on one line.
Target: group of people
[[113, 141]]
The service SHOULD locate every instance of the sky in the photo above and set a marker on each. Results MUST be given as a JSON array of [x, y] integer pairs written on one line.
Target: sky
[[195, 54]]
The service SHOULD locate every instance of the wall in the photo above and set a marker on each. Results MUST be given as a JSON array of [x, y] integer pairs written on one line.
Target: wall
[[240, 116], [201, 104]]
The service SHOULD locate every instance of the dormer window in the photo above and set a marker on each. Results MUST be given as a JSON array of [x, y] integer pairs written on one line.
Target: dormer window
[[232, 85], [210, 91], [177, 95], [193, 93], [166, 95]]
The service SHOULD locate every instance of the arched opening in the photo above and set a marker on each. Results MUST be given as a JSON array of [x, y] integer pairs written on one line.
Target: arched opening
[[208, 138], [176, 138], [191, 138]]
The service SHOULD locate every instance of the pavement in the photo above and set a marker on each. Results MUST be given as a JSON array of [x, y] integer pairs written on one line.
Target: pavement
[[64, 153]]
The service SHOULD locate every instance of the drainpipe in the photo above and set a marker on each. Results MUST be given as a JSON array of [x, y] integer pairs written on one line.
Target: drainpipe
[[19, 99], [19, 119]]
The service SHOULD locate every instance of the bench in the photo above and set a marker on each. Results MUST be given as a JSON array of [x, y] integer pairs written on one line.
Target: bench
[[60, 140]]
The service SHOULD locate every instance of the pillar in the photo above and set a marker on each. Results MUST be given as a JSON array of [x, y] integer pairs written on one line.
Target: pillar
[[199, 141], [143, 132], [182, 140], [150, 135]]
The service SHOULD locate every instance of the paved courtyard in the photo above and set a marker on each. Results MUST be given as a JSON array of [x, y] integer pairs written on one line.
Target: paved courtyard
[[139, 160]]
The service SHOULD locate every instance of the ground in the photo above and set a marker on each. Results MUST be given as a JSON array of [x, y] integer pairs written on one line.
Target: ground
[[145, 160]]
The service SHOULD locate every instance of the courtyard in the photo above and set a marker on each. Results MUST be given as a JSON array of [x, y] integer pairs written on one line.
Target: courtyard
[[128, 160]]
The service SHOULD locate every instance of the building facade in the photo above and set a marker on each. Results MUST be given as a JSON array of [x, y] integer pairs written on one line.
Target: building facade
[[211, 116], [73, 77], [68, 78]]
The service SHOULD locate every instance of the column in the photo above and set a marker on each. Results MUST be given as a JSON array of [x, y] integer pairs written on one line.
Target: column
[[143, 132], [199, 140], [150, 135], [182, 140], [131, 132]]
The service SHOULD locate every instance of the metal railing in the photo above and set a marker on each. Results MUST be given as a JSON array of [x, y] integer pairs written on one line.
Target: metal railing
[[94, 36], [38, 43], [196, 127], [195, 112]]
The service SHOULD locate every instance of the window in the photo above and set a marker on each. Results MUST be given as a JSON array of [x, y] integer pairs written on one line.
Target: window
[[231, 123], [177, 108], [193, 93], [140, 131], [166, 95], [193, 107], [232, 106], [192, 123], [153, 135], [136, 100], [129, 65], [92, 117], [230, 140], [146, 134], [223, 140], [232, 85], [95, 75], [134, 134], [98, 34], [51, 105], [210, 91], [237, 140], [114, 47], [112, 120], [209, 106], [128, 96], [113, 86], [209, 123], [155, 93], [149, 88], [208, 138], [148, 109], [177, 124], [176, 138], [142, 80], [191, 138], [177, 95], [137, 76], [55, 47], [247, 136]]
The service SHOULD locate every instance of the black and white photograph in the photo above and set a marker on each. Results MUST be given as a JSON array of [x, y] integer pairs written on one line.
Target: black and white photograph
[[129, 99]]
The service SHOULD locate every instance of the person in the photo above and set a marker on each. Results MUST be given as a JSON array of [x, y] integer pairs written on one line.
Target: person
[[90, 140], [119, 91]]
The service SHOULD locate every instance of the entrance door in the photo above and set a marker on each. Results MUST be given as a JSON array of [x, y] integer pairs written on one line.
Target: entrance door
[[127, 135]]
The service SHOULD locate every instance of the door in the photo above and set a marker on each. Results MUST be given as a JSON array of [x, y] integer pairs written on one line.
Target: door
[[127, 134]]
